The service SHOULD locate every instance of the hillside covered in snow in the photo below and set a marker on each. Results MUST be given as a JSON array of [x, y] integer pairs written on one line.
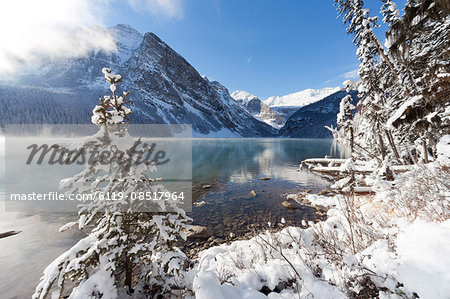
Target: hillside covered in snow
[[301, 98], [313, 109], [290, 103]]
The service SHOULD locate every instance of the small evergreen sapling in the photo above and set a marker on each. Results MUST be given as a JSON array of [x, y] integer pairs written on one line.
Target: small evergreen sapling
[[345, 115], [128, 251]]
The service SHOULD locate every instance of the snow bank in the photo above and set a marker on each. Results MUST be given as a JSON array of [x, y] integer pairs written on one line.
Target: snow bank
[[424, 257], [243, 268], [207, 286], [443, 149]]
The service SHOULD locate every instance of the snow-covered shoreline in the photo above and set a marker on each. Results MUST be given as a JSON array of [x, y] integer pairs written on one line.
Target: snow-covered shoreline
[[370, 245], [244, 268]]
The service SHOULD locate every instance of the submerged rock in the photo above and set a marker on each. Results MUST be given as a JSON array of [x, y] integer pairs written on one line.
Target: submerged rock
[[324, 191], [289, 204], [301, 198], [200, 204], [199, 232]]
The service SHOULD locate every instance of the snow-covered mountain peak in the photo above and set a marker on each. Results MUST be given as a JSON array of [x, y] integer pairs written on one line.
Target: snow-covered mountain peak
[[301, 98], [127, 40], [243, 96], [258, 109], [165, 88]]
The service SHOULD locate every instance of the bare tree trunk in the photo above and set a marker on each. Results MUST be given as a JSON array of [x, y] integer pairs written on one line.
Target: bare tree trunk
[[380, 50], [128, 263], [412, 157], [352, 174], [432, 143], [128, 273], [382, 148], [389, 174], [392, 144], [425, 151], [352, 139], [389, 63]]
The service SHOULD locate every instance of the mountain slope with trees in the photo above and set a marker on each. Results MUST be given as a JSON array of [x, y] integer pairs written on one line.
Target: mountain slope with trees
[[310, 121], [166, 89]]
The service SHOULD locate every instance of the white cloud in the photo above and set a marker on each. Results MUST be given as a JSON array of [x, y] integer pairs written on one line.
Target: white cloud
[[349, 75], [344, 76], [164, 8], [33, 29], [249, 59]]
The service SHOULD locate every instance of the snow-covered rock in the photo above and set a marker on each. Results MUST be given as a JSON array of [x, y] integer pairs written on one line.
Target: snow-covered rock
[[258, 109], [243, 96], [127, 40]]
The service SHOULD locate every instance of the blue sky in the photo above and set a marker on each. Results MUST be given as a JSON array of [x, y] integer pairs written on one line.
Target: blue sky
[[264, 47]]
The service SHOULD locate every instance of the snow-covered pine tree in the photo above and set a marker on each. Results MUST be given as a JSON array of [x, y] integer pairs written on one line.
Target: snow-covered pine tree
[[418, 41], [404, 86], [368, 143], [345, 115], [390, 12], [345, 124], [344, 134], [128, 251]]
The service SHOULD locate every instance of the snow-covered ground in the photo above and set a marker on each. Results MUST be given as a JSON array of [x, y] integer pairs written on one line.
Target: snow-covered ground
[[240, 270], [393, 244]]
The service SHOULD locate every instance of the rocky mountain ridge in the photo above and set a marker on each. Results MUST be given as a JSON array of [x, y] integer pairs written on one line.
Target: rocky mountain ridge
[[300, 98], [258, 109], [165, 88]]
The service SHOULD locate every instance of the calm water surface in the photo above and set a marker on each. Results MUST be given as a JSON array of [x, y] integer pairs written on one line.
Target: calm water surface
[[233, 168]]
